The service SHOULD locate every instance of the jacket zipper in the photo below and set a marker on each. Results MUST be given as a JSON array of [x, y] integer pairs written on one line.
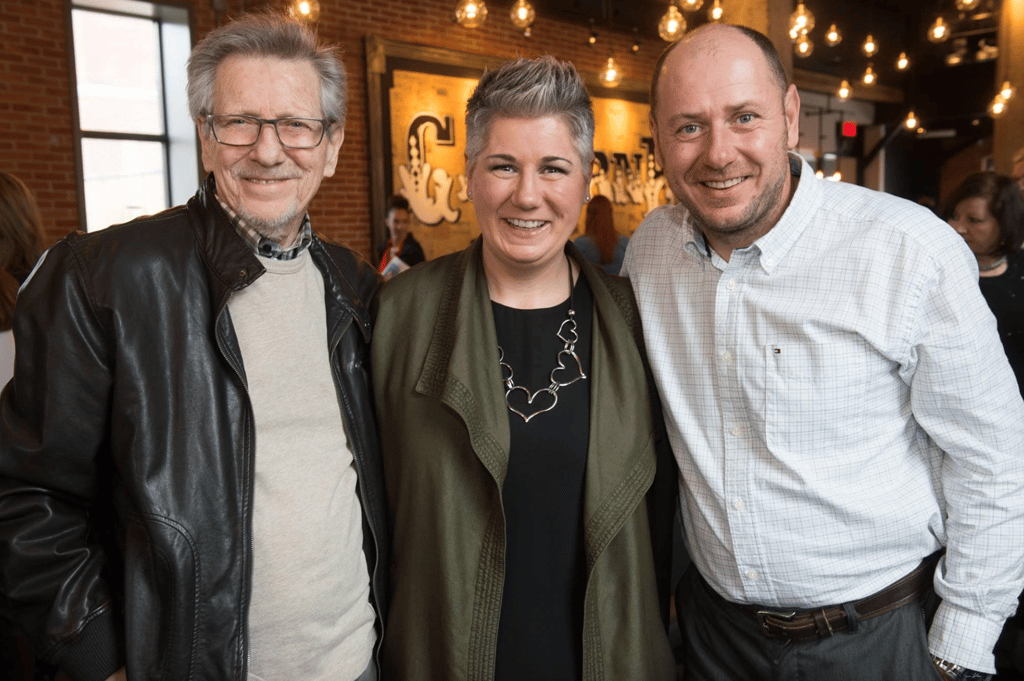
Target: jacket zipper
[[251, 493]]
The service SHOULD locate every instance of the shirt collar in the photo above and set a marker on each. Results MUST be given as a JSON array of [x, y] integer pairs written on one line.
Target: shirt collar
[[774, 245], [268, 248]]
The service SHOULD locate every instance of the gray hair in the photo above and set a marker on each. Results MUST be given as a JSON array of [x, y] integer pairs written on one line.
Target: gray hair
[[531, 88], [266, 35]]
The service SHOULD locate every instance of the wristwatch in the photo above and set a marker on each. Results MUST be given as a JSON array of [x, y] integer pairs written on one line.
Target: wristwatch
[[958, 672]]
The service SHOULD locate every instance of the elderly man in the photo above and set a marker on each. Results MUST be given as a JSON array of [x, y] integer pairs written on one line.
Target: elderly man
[[190, 483], [836, 393]]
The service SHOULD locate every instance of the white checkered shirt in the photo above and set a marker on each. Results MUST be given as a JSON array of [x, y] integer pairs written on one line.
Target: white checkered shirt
[[832, 393]]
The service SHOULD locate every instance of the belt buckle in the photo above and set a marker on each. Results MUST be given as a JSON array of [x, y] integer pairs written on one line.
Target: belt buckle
[[783, 615]]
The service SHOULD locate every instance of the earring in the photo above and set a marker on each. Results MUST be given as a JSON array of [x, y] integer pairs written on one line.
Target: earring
[[587, 200]]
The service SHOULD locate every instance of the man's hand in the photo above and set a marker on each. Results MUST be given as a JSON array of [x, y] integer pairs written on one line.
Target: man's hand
[[119, 675]]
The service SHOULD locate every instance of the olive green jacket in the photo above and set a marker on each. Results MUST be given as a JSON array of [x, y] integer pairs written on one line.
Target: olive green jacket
[[445, 437]]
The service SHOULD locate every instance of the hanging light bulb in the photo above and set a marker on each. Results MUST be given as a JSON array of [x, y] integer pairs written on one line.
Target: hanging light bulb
[[522, 14], [967, 5], [672, 25], [844, 91], [794, 34], [801, 20], [836, 176], [939, 31], [471, 13], [869, 76], [903, 63], [1007, 91], [716, 12], [304, 10], [820, 174], [691, 5], [911, 121], [833, 37], [592, 38], [870, 47], [611, 76], [803, 47], [997, 107]]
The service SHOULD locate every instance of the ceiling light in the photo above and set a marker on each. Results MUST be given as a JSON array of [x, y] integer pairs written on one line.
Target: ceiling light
[[844, 91], [869, 76], [715, 12], [672, 25], [939, 31], [471, 13], [611, 76], [870, 47], [304, 10], [801, 20], [833, 37], [522, 14], [803, 47], [903, 63]]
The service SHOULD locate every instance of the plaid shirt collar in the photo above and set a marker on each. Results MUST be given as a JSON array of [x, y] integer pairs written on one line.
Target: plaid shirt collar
[[268, 248]]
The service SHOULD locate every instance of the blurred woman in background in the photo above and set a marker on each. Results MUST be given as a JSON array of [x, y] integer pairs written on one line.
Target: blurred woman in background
[[600, 243], [987, 210], [21, 243]]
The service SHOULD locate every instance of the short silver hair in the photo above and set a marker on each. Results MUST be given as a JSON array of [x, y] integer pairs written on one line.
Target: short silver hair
[[531, 88], [266, 35]]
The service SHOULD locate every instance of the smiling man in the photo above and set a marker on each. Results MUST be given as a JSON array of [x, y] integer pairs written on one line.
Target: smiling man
[[190, 481], [849, 432]]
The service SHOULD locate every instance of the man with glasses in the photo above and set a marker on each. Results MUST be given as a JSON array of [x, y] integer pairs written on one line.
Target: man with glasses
[[190, 483]]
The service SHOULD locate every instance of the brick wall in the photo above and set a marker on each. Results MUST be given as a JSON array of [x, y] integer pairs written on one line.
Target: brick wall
[[35, 116]]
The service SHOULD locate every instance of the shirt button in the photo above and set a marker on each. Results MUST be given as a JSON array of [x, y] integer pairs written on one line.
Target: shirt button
[[752, 574], [739, 504], [738, 430], [731, 284], [726, 357]]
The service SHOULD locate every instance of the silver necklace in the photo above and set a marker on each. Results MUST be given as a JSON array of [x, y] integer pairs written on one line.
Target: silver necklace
[[996, 264], [521, 396]]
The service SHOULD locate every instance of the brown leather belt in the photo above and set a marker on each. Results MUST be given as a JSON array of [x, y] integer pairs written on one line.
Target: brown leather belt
[[807, 625]]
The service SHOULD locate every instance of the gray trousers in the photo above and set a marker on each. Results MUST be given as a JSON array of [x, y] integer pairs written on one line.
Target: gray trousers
[[720, 643]]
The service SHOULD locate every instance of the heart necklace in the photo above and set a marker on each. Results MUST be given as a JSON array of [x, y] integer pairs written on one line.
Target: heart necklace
[[567, 334]]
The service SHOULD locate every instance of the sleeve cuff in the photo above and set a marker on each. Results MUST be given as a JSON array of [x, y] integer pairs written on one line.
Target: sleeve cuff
[[96, 652], [964, 637]]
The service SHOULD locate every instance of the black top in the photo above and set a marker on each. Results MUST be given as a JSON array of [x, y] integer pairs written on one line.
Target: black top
[[1005, 296], [540, 633], [411, 253]]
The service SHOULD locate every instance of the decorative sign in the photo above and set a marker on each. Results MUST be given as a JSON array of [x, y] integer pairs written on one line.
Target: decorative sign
[[423, 140]]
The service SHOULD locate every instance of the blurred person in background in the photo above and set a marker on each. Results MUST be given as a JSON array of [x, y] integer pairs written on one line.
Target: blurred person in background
[[401, 251], [600, 243]]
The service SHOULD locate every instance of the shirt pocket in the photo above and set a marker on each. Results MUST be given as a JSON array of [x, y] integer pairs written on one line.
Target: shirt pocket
[[816, 393]]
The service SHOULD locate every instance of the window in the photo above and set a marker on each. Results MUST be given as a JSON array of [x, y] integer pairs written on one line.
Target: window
[[136, 143]]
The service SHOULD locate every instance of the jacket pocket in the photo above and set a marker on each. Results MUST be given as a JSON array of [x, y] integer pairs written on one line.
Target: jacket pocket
[[161, 567]]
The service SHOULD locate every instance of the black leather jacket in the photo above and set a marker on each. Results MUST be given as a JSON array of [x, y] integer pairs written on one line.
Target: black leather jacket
[[126, 446]]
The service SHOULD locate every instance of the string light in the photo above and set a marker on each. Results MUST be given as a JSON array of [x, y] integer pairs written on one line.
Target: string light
[[844, 91], [833, 37], [716, 12], [804, 47], [672, 25], [903, 63], [522, 14], [870, 47], [939, 31], [611, 76], [692, 5], [869, 76], [471, 13], [997, 107], [1007, 91]]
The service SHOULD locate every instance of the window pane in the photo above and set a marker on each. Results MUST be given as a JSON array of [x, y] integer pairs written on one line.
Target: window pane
[[123, 180], [117, 60]]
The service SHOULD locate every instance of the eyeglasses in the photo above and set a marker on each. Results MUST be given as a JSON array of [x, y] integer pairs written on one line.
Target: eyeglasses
[[236, 130]]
